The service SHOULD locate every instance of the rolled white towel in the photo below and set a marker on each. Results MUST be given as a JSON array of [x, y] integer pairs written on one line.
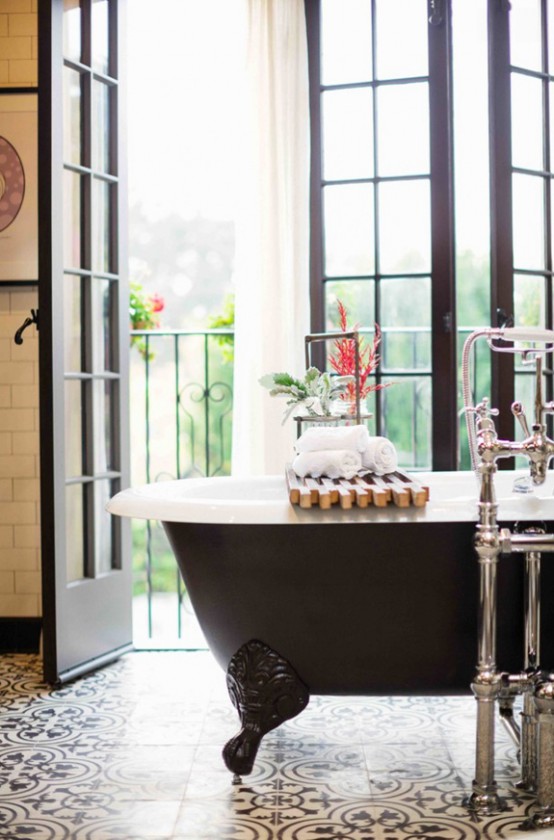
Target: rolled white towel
[[355, 438], [380, 456], [334, 463]]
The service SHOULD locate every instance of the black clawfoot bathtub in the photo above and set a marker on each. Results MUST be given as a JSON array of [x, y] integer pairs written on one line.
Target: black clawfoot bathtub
[[364, 601]]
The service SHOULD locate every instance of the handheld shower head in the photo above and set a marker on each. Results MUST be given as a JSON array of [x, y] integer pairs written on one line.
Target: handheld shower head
[[535, 334], [530, 335]]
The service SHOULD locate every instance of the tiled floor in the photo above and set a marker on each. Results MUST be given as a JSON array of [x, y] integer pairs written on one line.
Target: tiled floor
[[133, 751]]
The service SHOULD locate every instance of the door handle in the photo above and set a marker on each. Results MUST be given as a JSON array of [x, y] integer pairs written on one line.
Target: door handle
[[18, 337]]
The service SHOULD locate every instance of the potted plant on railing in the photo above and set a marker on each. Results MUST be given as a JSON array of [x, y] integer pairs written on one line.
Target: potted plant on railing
[[144, 310]]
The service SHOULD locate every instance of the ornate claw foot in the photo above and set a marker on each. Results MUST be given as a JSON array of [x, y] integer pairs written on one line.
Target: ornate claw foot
[[265, 690]]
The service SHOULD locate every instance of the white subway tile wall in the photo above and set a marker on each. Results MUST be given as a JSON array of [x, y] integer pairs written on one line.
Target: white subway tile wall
[[18, 43], [20, 585]]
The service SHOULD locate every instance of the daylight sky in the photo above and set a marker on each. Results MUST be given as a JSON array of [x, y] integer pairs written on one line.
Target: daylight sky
[[183, 111], [183, 62]]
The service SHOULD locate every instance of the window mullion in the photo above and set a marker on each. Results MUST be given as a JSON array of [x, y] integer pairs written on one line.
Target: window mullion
[[444, 409], [317, 314], [547, 140], [502, 279], [377, 284]]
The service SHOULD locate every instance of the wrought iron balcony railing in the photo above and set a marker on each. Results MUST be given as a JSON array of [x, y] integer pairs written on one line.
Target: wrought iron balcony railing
[[181, 426]]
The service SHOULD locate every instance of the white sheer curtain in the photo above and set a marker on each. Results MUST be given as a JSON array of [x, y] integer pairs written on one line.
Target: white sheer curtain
[[272, 278]]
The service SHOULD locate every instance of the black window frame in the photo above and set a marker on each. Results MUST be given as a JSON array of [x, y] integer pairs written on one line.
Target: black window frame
[[445, 420], [444, 434], [503, 267]]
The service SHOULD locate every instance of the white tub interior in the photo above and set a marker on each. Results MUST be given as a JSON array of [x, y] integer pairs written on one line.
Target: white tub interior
[[264, 500]]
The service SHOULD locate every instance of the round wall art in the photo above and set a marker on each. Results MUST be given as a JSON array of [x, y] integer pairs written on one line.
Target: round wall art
[[12, 183]]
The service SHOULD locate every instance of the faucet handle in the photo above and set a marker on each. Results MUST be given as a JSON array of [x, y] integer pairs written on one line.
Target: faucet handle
[[519, 414], [484, 415], [482, 409]]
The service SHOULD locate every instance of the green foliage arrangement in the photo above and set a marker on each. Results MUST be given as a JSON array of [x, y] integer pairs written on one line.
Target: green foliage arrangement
[[225, 320], [315, 392]]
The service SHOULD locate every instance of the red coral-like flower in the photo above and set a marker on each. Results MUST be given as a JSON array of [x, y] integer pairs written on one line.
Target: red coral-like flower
[[343, 358]]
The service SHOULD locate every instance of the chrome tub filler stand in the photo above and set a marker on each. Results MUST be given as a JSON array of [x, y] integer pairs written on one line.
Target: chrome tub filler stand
[[534, 737]]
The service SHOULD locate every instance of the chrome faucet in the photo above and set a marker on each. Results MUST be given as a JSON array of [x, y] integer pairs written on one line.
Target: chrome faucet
[[535, 737], [536, 445]]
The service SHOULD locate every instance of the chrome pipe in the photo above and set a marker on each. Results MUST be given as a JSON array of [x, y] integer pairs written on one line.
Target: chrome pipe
[[524, 543], [486, 688], [543, 817], [484, 798], [487, 547], [484, 767], [532, 609], [530, 544], [539, 407], [508, 721], [486, 662], [487, 684], [532, 624], [512, 729], [528, 744]]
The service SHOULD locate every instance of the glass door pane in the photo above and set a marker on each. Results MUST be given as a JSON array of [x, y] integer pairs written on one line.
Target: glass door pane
[[347, 133], [100, 35], [525, 34], [402, 49], [101, 95], [346, 22], [72, 20]]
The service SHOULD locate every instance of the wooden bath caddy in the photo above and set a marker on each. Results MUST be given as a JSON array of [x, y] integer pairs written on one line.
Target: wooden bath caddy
[[397, 487]]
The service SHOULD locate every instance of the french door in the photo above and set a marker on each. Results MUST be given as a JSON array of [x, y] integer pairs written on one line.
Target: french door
[[382, 205], [83, 301]]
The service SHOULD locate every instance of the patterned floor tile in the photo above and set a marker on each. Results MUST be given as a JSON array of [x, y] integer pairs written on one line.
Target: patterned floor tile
[[212, 780], [146, 729], [506, 764], [415, 757], [219, 724], [133, 752], [146, 819], [360, 720], [149, 773], [196, 822], [341, 770]]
